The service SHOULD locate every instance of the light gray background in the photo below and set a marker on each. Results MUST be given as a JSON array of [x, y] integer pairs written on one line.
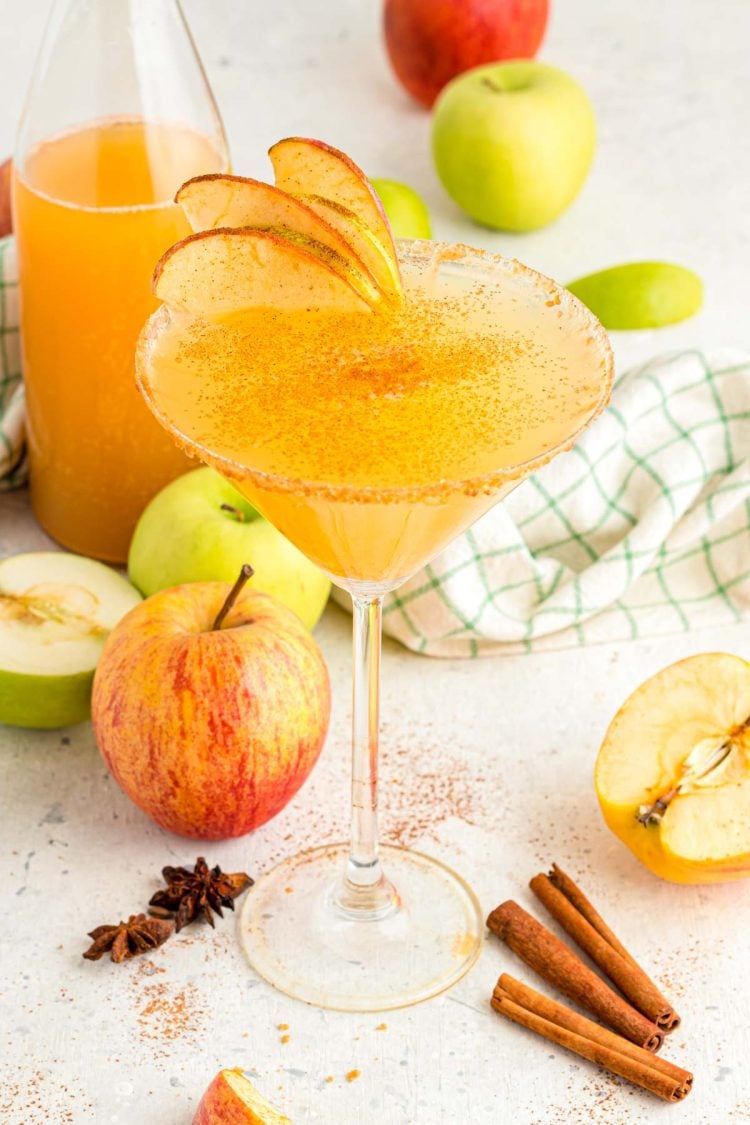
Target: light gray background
[[487, 765]]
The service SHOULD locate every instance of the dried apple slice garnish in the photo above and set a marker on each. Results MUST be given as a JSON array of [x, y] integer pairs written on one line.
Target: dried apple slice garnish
[[345, 265], [327, 179], [220, 200], [217, 273], [379, 262]]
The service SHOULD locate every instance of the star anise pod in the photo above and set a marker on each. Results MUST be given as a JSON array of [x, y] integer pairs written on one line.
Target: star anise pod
[[201, 892], [128, 939]]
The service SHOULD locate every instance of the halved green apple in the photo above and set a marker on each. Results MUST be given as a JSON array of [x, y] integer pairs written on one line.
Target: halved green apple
[[220, 272], [320, 174], [673, 772], [56, 611]]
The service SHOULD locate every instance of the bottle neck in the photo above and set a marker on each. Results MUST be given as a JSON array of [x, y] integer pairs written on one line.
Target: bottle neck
[[104, 59]]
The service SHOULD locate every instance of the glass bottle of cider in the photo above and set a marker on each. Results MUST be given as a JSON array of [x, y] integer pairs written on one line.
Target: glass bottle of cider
[[118, 115]]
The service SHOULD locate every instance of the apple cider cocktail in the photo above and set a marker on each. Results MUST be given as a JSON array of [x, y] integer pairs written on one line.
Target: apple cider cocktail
[[372, 403]]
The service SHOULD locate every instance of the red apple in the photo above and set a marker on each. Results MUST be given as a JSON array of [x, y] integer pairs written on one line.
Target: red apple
[[232, 1100], [6, 220], [431, 41], [210, 730]]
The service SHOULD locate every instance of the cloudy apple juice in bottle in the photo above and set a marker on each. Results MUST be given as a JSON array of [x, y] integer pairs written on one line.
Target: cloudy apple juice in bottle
[[118, 116]]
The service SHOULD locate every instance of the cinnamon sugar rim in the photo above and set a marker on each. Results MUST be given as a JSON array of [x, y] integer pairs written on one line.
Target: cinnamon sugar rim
[[417, 251]]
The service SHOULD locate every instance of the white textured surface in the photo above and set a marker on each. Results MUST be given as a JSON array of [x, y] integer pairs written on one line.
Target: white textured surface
[[487, 765]]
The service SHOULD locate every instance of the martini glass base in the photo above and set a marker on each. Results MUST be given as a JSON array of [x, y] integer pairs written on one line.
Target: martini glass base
[[297, 938]]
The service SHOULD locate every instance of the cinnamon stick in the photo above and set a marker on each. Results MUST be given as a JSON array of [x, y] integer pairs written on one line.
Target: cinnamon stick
[[577, 916], [561, 968], [589, 1040]]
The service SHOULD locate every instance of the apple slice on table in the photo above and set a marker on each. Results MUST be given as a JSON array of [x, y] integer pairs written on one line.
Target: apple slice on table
[[317, 171], [233, 1100], [640, 294], [56, 611], [217, 273], [673, 772]]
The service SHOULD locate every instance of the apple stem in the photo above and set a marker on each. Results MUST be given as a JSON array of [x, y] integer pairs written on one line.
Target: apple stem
[[245, 573], [492, 86], [239, 516]]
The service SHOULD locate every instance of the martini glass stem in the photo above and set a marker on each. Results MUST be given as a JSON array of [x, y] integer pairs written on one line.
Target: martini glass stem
[[364, 890]]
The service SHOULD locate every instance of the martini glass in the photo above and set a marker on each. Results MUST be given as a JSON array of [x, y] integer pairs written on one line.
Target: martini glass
[[371, 444]]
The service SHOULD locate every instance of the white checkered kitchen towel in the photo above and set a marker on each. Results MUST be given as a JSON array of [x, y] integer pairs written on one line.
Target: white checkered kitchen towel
[[643, 528]]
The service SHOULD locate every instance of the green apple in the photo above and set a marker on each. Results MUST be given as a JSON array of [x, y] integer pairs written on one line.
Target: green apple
[[513, 143], [200, 529], [406, 211], [640, 294], [56, 611]]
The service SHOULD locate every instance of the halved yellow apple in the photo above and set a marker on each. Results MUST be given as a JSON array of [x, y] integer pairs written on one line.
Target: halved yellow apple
[[216, 273], [318, 173], [231, 1099], [220, 200], [673, 772]]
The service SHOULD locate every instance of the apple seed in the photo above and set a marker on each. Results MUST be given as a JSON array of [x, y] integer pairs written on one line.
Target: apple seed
[[696, 770]]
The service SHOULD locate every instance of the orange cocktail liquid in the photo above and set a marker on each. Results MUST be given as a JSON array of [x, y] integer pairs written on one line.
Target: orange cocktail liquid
[[372, 440], [93, 213]]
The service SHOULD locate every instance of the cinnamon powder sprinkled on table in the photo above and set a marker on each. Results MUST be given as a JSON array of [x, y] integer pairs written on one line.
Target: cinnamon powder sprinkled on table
[[422, 785], [416, 798], [164, 1015], [148, 968], [600, 1101], [32, 1099], [352, 1075]]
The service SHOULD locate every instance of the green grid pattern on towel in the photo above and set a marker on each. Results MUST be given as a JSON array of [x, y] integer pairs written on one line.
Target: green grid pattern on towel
[[643, 528]]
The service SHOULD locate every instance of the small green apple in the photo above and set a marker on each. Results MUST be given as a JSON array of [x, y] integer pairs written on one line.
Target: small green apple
[[406, 211], [640, 294], [56, 611], [200, 529], [513, 143]]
